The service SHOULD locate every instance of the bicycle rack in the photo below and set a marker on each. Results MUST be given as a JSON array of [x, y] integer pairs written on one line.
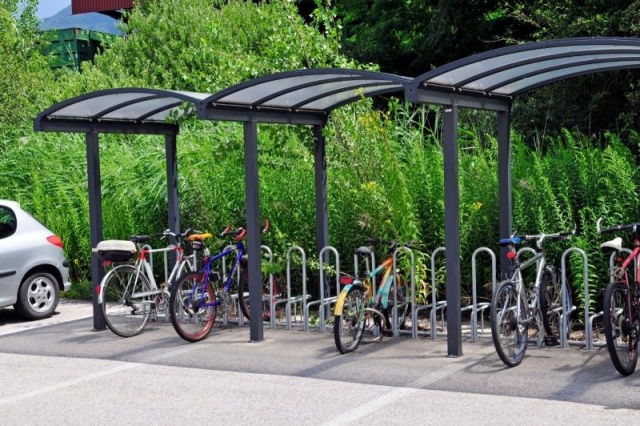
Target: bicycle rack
[[373, 265], [272, 307], [234, 297], [475, 307], [325, 300], [414, 323], [594, 315], [435, 306], [292, 301], [566, 310], [540, 337]]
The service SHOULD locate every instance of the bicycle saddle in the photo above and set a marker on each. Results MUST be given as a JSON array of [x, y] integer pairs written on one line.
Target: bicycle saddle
[[365, 251], [613, 245]]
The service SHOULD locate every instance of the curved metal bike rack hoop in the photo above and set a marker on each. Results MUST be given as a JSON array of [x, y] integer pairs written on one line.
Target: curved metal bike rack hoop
[[325, 300], [414, 323], [303, 298], [566, 310], [435, 305], [474, 294], [272, 311], [372, 256], [524, 265]]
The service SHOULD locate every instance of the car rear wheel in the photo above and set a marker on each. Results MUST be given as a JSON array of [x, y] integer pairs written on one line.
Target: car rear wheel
[[38, 296]]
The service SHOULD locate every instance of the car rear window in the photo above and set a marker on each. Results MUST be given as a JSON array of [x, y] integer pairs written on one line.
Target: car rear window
[[7, 222]]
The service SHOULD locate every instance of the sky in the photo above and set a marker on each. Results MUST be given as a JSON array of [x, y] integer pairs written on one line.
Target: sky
[[47, 8]]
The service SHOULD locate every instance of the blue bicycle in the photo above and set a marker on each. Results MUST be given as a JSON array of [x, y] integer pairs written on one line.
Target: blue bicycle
[[198, 295]]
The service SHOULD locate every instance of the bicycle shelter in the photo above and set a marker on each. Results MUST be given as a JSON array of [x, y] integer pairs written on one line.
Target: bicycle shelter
[[490, 81]]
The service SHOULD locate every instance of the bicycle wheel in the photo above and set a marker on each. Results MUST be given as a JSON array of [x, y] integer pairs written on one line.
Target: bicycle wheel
[[191, 315], [622, 339], [125, 313], [509, 328], [550, 295], [349, 326], [243, 296]]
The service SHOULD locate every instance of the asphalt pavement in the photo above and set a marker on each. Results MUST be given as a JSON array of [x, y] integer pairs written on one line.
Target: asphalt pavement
[[60, 371]]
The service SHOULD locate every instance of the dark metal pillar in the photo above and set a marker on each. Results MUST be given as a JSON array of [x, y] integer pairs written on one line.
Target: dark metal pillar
[[504, 183], [452, 230], [95, 224], [173, 206], [320, 163], [253, 229]]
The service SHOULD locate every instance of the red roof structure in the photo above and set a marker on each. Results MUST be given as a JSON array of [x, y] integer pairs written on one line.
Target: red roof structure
[[107, 7]]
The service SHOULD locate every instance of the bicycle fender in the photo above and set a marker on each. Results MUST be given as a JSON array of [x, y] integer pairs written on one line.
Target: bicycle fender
[[337, 310]]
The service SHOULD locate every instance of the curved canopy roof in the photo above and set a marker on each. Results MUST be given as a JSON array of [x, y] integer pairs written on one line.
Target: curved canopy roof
[[507, 72], [117, 110], [303, 96]]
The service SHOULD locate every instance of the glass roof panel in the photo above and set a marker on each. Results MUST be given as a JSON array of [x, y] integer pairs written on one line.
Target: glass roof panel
[[95, 105], [140, 109], [551, 76], [329, 102], [453, 77], [495, 79], [253, 93], [289, 99]]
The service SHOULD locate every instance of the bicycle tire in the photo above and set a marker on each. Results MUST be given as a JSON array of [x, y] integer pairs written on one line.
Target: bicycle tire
[[123, 314], [191, 320], [348, 327], [622, 341], [550, 296], [509, 328], [243, 296]]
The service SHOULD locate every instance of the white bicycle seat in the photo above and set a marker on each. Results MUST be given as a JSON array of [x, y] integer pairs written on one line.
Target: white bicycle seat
[[612, 245]]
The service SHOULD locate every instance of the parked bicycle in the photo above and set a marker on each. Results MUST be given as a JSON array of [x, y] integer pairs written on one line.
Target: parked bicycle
[[358, 313], [517, 308], [198, 295], [129, 294], [621, 305]]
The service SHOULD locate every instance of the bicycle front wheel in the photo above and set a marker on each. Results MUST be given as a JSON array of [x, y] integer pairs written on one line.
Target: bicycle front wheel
[[348, 327], [192, 307], [243, 295], [125, 307], [622, 340], [509, 324], [550, 294]]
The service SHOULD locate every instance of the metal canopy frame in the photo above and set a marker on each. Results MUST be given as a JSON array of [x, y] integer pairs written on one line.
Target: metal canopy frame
[[488, 80]]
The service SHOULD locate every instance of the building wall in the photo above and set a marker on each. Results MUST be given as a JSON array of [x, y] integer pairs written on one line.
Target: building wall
[[86, 6]]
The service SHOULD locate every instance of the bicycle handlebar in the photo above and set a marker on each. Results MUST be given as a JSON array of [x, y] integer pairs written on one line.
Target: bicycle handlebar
[[539, 238], [633, 226], [239, 233]]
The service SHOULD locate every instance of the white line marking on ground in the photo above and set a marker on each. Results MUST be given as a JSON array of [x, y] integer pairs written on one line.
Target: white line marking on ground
[[398, 393]]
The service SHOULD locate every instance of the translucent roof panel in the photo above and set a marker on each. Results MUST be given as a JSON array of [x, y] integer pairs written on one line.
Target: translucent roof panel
[[512, 70], [309, 91], [129, 105]]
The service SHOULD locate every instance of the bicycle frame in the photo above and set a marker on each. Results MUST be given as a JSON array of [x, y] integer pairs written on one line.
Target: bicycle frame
[[382, 294], [206, 271], [633, 256]]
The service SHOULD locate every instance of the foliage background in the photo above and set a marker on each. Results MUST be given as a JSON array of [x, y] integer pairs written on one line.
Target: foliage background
[[385, 165]]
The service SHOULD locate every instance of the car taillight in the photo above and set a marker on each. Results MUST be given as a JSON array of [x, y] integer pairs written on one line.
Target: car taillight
[[55, 240]]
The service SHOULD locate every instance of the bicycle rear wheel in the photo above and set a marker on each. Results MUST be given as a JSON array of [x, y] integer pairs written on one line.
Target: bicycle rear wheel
[[125, 313], [550, 295], [192, 307], [622, 338], [509, 329], [349, 326]]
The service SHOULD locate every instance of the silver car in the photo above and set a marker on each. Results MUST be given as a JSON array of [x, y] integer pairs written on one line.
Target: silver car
[[33, 269]]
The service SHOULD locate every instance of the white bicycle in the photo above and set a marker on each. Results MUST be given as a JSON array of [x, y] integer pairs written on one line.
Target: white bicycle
[[129, 294]]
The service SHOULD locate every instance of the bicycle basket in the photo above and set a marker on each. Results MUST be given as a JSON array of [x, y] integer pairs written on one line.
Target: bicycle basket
[[115, 250]]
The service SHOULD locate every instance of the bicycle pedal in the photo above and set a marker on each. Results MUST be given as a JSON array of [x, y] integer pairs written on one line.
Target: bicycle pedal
[[551, 341]]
